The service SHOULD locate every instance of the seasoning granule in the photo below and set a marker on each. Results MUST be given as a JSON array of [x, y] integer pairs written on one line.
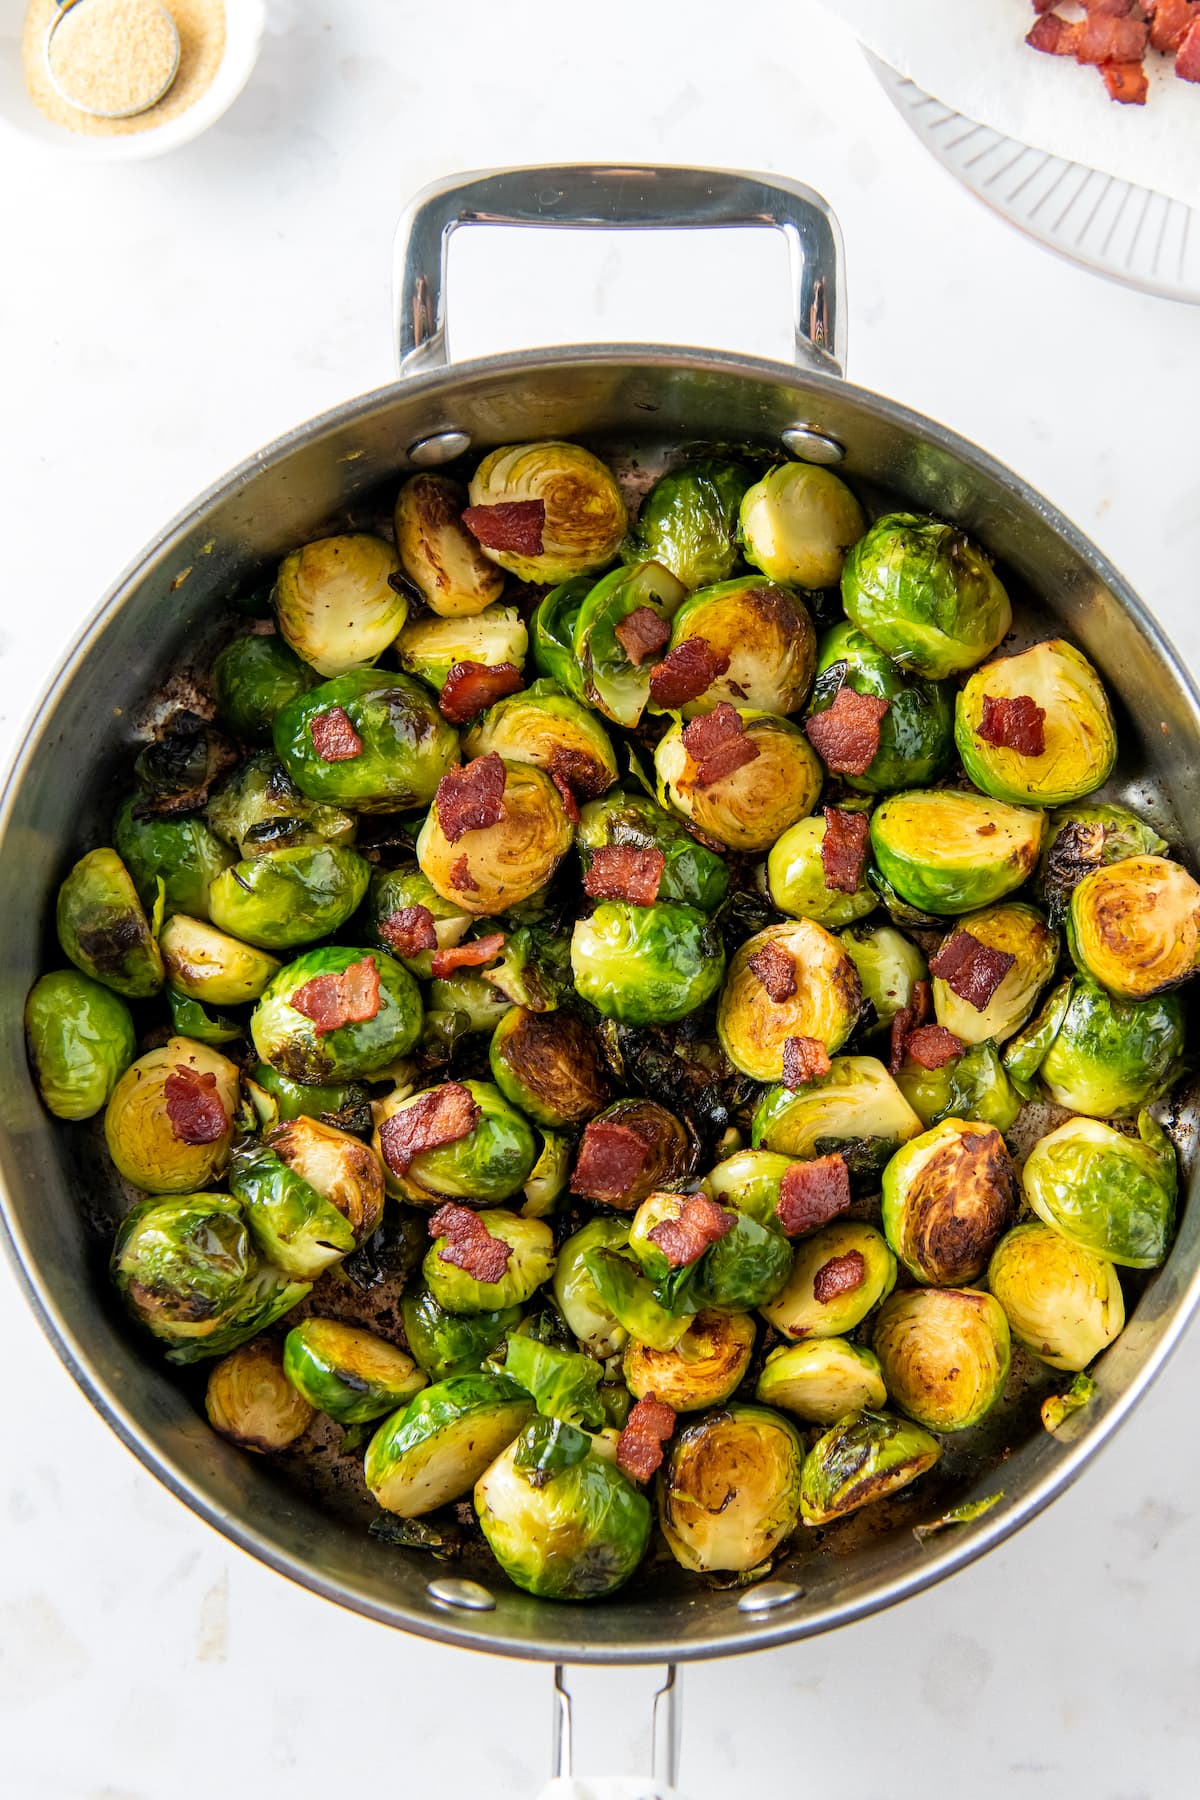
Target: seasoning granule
[[114, 57], [201, 28]]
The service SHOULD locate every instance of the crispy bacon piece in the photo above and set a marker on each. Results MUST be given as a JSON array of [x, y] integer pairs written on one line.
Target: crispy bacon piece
[[619, 872], [812, 1193], [567, 795], [970, 969], [583, 774], [409, 930], [194, 1106], [685, 1239], [332, 1001], [469, 1244], [515, 525], [1187, 61], [846, 735], [804, 1059], [441, 1115], [1169, 25], [333, 736], [689, 670], [611, 1158], [1104, 39], [461, 878], [471, 798], [844, 849], [642, 633], [471, 686], [840, 1275], [717, 744], [1126, 82], [775, 970], [1055, 35], [1017, 724], [917, 1012], [933, 1046], [646, 1430], [467, 956]]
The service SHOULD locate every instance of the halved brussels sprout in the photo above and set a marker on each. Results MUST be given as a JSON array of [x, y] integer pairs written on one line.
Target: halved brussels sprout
[[822, 1380], [549, 1177], [552, 634], [808, 1306], [856, 1109], [103, 930], [209, 966], [947, 1198], [692, 874], [180, 854], [545, 727], [973, 1086], [463, 1003], [446, 1343], [916, 733], [531, 1263], [576, 1294], [947, 851], [798, 522], [439, 555], [749, 1180], [729, 1493], [189, 1274], [1082, 838], [669, 1145], [407, 746], [81, 1041], [501, 866], [1134, 926], [1098, 1055], [646, 965], [925, 594], [310, 1194], [708, 1363], [392, 892], [945, 1354], [744, 1269], [440, 1444], [689, 521], [260, 808], [613, 682], [348, 1373], [748, 809], [796, 880], [1016, 930], [628, 1296], [1106, 1192], [289, 897], [192, 1020], [584, 519], [549, 1064], [430, 647], [1079, 739], [250, 1400], [335, 602], [306, 1049], [254, 678], [347, 1106], [862, 1458], [889, 967], [169, 1121], [766, 633], [1062, 1302], [573, 1532], [490, 1163], [753, 1028]]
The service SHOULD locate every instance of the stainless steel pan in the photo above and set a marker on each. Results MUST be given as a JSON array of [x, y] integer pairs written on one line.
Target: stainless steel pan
[[640, 405]]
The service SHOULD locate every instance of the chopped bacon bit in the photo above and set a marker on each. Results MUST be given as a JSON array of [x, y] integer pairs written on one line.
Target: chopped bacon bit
[[840, 1275], [717, 744], [689, 670], [471, 798], [844, 849], [1187, 62], [804, 1059], [566, 794], [515, 525], [471, 686], [933, 1046], [646, 1430], [1126, 82], [1055, 35], [642, 633], [970, 969], [467, 956], [583, 774], [775, 970], [685, 1239], [1017, 724], [619, 872], [461, 878], [333, 736], [409, 930], [918, 1011], [725, 761], [611, 1158], [194, 1106], [469, 1244], [813, 1193], [441, 1115], [1170, 24], [332, 1001], [846, 735], [1104, 39]]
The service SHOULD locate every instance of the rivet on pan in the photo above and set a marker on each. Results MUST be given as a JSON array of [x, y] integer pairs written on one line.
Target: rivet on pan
[[768, 1596], [813, 446], [463, 1596], [442, 447]]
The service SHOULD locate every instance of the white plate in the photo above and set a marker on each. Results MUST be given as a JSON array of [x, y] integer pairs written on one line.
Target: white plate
[[1132, 234]]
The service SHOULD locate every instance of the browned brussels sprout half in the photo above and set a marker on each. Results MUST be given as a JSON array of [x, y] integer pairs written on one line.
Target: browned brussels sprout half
[[945, 1354], [251, 1401], [310, 1193], [549, 1064], [440, 557], [730, 1490], [336, 604], [763, 636], [823, 1001], [863, 1458], [1134, 926], [488, 869], [102, 928], [947, 1198], [572, 504]]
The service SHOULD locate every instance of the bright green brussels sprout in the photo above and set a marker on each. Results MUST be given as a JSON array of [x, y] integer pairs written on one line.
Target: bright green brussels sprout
[[646, 965], [531, 1263], [549, 1178], [729, 1493], [744, 1269], [552, 631], [254, 678], [689, 521], [491, 870], [489, 1163], [208, 965], [1079, 737], [1134, 926], [347, 1106], [382, 1016], [547, 728], [856, 1110], [692, 874], [708, 1363], [947, 1199], [1016, 930], [429, 647], [188, 1271], [347, 1372], [192, 1020], [572, 1532], [439, 555], [335, 602], [250, 1400], [751, 807], [796, 880], [576, 1294], [862, 1458], [81, 1041], [103, 930], [889, 967], [549, 1064], [822, 1380], [180, 853], [973, 1086], [260, 808], [310, 1194], [947, 851], [407, 746], [1062, 1302], [1102, 1056], [749, 1180], [440, 1444], [798, 522], [916, 733], [1086, 837], [809, 1306], [627, 1295], [169, 1121], [944, 1353], [564, 1384], [753, 1028], [925, 594], [1106, 1192], [446, 1344], [584, 521], [767, 635], [289, 897], [393, 892], [615, 682]]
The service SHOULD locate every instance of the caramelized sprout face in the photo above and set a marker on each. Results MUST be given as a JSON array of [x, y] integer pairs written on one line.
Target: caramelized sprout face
[[1134, 926], [945, 1354], [1104, 1191], [209, 966], [925, 594], [806, 1308], [169, 1122], [753, 1028], [688, 521], [503, 865], [856, 1107], [1062, 1302], [748, 809], [310, 1194], [1085, 837], [729, 1494], [438, 554], [430, 647], [767, 635], [251, 1401], [947, 851], [821, 1380], [1079, 739], [862, 1458], [335, 602], [348, 1373], [798, 522], [585, 519], [549, 1064], [1015, 930], [947, 1198], [708, 1363], [547, 728]]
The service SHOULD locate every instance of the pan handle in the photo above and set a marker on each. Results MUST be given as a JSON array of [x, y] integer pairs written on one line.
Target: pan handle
[[597, 197], [664, 1751]]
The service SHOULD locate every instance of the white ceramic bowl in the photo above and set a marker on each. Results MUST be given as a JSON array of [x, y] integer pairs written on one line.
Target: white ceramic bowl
[[19, 117]]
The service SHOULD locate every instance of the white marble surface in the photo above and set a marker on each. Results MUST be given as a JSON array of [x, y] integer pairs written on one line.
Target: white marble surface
[[159, 322]]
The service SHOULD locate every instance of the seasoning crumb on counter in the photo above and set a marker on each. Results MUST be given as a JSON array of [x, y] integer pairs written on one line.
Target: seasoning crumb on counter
[[112, 52]]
